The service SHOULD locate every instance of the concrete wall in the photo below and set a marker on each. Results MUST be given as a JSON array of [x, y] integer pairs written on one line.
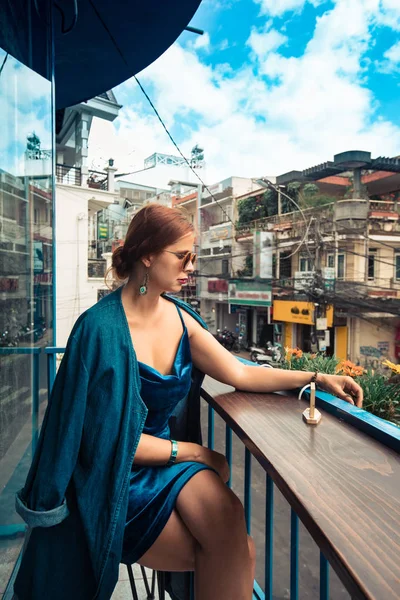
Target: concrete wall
[[367, 334], [75, 292]]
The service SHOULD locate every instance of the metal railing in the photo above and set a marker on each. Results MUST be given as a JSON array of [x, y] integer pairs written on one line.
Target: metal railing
[[68, 175], [97, 180], [97, 267]]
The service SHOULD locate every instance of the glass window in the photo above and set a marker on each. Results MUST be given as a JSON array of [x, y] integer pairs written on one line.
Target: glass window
[[340, 266], [331, 261], [372, 264], [285, 265], [26, 298], [305, 264], [397, 267]]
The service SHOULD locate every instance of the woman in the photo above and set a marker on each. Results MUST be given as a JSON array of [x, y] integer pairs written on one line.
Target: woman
[[112, 483]]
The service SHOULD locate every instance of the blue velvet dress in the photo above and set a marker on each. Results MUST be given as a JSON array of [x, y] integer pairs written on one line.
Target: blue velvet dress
[[153, 490]]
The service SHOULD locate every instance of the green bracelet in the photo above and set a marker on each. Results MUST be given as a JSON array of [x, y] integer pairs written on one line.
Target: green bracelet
[[174, 453]]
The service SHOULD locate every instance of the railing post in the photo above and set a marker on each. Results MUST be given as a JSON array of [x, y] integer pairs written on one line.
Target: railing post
[[323, 578], [294, 556], [247, 488], [35, 400], [210, 427], [269, 541], [228, 451]]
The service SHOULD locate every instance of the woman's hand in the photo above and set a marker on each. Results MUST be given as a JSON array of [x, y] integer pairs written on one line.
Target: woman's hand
[[341, 387], [217, 461]]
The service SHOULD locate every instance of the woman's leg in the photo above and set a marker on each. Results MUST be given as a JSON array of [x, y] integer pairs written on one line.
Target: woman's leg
[[207, 533]]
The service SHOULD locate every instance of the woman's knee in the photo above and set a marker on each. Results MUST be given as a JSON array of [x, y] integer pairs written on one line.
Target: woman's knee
[[252, 549], [209, 508]]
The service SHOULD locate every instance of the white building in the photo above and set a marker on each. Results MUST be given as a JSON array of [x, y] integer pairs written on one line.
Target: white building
[[80, 194]]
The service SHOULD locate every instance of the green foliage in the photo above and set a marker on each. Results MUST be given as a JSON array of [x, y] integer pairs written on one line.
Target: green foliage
[[247, 271], [308, 195], [257, 207], [312, 362], [381, 398]]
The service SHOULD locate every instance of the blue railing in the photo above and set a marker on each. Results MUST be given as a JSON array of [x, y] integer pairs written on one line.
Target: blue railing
[[375, 427]]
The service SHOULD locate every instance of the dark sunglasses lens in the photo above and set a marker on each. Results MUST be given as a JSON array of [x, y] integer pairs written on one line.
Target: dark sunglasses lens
[[189, 258]]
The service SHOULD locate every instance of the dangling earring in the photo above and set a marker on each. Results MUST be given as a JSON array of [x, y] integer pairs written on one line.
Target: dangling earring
[[143, 287]]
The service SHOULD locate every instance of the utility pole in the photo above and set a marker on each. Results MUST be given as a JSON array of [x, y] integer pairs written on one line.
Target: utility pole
[[198, 279], [319, 288]]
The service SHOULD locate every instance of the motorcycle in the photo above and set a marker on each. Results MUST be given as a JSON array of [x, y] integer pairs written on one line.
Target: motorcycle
[[269, 355], [227, 339]]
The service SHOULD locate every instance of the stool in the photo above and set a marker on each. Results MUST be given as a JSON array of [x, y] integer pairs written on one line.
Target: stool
[[160, 575]]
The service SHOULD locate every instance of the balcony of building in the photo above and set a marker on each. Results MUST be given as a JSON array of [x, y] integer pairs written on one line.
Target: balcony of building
[[72, 175], [321, 502]]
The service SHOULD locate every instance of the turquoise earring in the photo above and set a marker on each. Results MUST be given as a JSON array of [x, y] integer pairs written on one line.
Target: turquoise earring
[[143, 287]]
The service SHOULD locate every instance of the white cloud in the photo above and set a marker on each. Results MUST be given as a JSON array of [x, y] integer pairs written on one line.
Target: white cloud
[[263, 42], [293, 113], [276, 8], [391, 60], [202, 41]]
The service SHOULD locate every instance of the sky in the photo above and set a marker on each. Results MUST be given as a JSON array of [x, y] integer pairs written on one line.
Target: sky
[[271, 86]]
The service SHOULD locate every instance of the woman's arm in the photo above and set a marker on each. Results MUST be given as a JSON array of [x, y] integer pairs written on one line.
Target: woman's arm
[[155, 452], [214, 360]]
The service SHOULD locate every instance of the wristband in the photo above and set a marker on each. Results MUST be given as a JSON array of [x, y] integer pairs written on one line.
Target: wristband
[[314, 377], [174, 453]]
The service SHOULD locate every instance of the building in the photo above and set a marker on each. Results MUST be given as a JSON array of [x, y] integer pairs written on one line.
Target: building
[[216, 261], [338, 259], [83, 198]]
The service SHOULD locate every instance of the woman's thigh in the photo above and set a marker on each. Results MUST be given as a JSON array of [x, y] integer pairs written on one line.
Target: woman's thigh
[[205, 509], [209, 509], [173, 550]]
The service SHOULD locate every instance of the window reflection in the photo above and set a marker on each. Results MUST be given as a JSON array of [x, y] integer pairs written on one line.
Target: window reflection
[[26, 318]]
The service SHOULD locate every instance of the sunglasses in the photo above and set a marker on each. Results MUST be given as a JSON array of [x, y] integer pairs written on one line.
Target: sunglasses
[[186, 257]]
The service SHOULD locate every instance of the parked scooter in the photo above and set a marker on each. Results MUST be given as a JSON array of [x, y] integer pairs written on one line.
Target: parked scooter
[[227, 339], [269, 355]]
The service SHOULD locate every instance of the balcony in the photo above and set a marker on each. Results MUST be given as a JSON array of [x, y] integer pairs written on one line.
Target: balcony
[[322, 503], [290, 224], [68, 175]]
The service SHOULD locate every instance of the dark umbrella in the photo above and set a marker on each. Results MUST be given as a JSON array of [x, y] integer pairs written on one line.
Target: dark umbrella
[[98, 44]]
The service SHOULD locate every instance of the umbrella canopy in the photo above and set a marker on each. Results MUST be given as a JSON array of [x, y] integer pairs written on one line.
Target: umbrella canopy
[[98, 44]]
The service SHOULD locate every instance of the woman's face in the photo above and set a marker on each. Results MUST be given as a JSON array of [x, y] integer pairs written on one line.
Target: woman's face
[[167, 271]]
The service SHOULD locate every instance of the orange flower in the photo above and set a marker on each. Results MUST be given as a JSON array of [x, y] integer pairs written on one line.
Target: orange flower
[[296, 352], [346, 367]]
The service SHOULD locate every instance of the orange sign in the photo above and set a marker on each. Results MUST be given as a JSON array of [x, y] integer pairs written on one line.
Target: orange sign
[[298, 312]]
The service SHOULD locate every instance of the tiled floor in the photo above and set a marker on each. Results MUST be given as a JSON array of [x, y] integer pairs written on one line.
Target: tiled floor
[[123, 589]]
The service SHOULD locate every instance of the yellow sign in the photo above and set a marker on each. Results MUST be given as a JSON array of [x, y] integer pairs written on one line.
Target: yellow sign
[[297, 312]]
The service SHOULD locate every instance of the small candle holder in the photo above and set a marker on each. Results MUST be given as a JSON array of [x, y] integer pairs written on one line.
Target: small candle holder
[[311, 415]]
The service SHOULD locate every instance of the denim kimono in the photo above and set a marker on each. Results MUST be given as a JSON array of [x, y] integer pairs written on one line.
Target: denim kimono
[[76, 492]]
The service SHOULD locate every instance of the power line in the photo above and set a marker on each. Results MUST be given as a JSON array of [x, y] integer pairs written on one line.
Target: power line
[[155, 110]]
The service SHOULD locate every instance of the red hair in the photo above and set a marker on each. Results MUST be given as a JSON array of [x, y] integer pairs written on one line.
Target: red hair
[[153, 228]]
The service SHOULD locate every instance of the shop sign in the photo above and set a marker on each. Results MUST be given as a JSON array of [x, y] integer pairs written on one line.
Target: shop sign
[[8, 284], [220, 233], [322, 324], [303, 280], [383, 347], [370, 351], [298, 312], [38, 259], [103, 231], [250, 293]]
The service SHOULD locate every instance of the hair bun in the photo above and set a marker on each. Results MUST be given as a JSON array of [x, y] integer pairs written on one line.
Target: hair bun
[[119, 262]]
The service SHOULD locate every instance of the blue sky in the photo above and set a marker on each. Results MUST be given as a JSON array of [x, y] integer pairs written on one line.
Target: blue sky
[[273, 85]]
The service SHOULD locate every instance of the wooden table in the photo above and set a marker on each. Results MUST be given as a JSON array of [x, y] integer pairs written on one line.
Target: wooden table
[[343, 485]]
